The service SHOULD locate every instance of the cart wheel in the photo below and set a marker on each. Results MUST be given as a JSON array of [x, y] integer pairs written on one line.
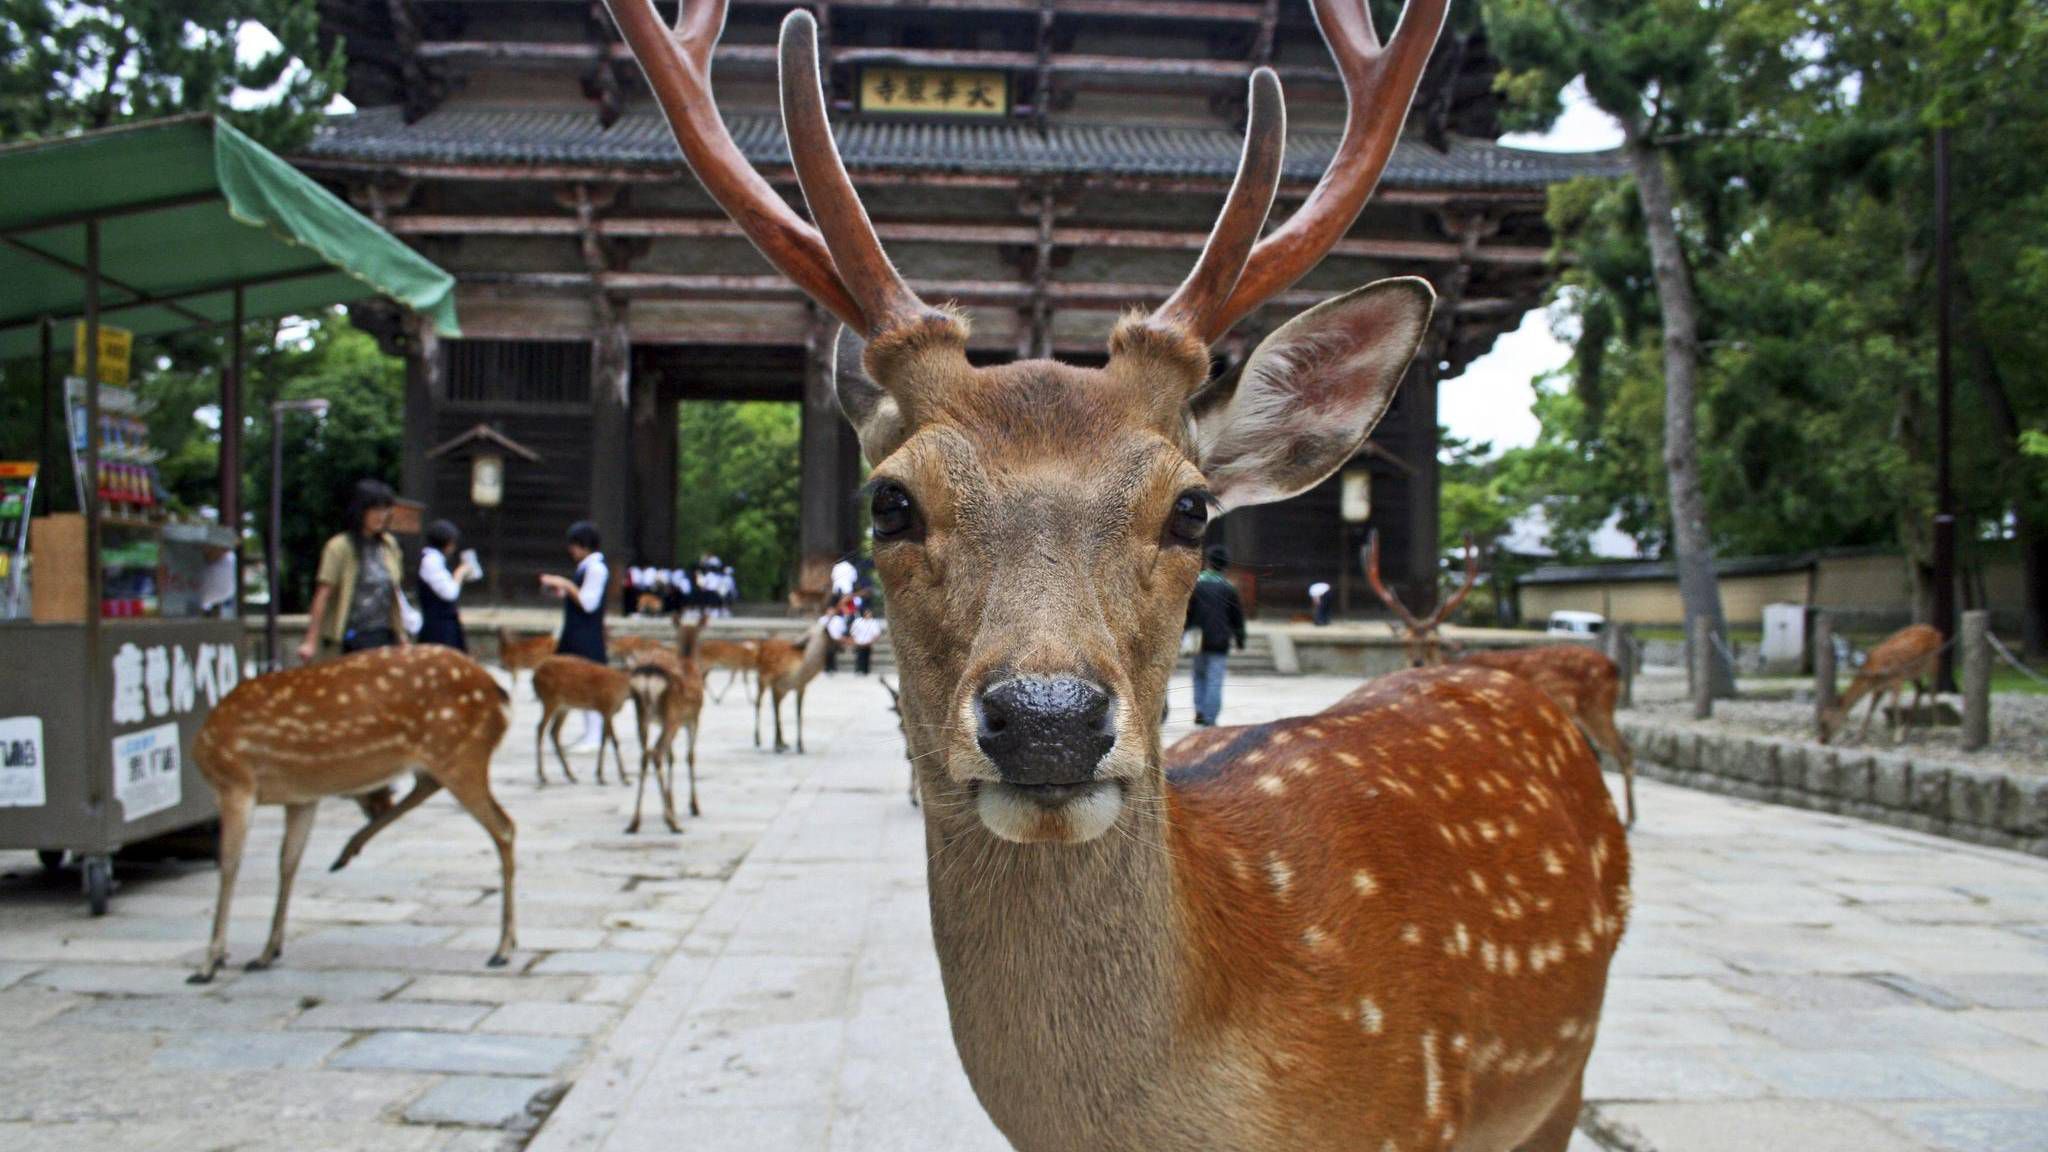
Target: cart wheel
[[52, 858], [99, 883]]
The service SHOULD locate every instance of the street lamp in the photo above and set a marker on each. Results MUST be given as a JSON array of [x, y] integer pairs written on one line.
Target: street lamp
[[317, 409]]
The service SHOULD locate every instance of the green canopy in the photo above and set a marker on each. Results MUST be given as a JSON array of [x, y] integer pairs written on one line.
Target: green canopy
[[189, 210]]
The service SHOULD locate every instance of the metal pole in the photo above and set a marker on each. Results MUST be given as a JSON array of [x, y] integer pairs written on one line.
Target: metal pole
[[230, 466], [47, 463], [1944, 494], [276, 527], [97, 783], [1976, 680]]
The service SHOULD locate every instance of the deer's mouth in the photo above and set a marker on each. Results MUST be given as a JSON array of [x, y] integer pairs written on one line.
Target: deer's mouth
[[1049, 813]]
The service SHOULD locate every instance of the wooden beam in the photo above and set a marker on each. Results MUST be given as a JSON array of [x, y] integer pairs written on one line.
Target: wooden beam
[[901, 232], [1220, 11]]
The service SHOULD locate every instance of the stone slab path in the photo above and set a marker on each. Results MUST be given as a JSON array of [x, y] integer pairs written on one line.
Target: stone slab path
[[766, 981]]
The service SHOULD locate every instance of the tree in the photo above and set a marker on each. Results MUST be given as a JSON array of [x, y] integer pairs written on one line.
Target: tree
[[69, 66], [737, 489], [1666, 70]]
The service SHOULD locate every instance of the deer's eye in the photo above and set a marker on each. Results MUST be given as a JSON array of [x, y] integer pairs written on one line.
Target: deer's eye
[[1189, 519], [892, 512]]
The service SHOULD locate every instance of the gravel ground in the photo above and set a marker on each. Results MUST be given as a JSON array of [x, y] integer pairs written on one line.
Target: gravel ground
[[2019, 721]]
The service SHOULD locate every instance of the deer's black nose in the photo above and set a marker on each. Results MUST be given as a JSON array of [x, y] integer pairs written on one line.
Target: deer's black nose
[[1045, 730]]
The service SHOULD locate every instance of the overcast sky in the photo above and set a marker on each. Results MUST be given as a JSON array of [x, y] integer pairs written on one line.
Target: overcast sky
[[1491, 400]]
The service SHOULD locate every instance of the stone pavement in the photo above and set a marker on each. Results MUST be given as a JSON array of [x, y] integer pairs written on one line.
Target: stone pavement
[[1790, 981]]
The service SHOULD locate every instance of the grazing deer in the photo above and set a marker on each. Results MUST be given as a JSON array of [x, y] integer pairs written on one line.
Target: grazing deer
[[349, 727], [1384, 926], [736, 656], [668, 694], [1908, 654], [518, 654], [1584, 683], [782, 669], [1422, 639], [567, 683]]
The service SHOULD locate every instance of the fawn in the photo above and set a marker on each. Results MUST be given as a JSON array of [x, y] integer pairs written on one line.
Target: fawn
[[567, 683], [1908, 654], [1384, 926], [349, 727], [668, 694]]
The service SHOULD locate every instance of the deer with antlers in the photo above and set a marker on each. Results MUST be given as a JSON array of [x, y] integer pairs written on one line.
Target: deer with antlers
[[668, 694], [1383, 926], [349, 727], [1421, 638], [1908, 654]]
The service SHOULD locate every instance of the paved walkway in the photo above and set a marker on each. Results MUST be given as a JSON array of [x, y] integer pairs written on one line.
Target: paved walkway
[[766, 981]]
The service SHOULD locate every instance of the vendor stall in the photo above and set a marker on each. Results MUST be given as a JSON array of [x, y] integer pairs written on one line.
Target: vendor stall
[[134, 631]]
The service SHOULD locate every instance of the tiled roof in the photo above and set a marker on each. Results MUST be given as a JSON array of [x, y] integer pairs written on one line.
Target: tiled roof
[[567, 136]]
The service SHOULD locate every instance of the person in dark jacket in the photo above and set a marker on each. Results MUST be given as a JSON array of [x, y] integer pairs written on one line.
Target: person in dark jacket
[[440, 586], [1214, 609]]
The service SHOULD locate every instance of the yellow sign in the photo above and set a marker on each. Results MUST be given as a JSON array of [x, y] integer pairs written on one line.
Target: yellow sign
[[114, 346], [944, 91]]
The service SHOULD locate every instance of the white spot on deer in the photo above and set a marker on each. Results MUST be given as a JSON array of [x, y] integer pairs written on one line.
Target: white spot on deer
[[1411, 934], [1432, 1077], [1278, 873], [1312, 732], [1349, 761], [1272, 784], [1363, 882], [1370, 1017], [1316, 939], [1510, 961], [1489, 955]]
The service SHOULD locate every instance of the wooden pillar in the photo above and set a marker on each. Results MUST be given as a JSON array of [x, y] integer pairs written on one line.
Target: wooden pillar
[[425, 387], [1976, 669], [654, 476], [1423, 514], [611, 446], [827, 523], [1823, 661]]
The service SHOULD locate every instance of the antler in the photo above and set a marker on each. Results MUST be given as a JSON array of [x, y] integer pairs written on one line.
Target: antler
[[1244, 212], [843, 267], [1471, 578], [1379, 83], [1386, 595]]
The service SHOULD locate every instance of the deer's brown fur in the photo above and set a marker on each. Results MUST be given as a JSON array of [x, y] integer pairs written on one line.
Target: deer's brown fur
[[1584, 683], [569, 683], [669, 696], [349, 727], [1908, 654], [517, 653], [784, 669]]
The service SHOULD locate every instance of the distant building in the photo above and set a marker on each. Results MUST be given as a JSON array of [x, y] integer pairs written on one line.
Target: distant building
[[1047, 163]]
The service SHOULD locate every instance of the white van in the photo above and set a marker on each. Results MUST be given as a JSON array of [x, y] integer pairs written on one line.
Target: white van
[[1579, 624]]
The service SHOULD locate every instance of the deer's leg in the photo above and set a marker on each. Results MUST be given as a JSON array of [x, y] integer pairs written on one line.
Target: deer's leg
[[1555, 1133], [234, 833], [775, 706], [649, 759], [470, 784], [298, 828], [561, 717], [540, 736], [1863, 733], [760, 690], [690, 758], [800, 720], [1608, 739], [423, 786], [618, 753]]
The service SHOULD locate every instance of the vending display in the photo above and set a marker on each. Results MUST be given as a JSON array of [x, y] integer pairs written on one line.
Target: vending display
[[127, 479]]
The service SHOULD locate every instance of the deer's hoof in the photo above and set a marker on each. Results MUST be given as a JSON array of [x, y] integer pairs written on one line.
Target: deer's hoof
[[203, 976], [259, 964], [498, 961]]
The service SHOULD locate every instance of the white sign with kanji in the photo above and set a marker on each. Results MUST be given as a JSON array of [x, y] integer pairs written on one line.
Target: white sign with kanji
[[146, 776], [21, 762]]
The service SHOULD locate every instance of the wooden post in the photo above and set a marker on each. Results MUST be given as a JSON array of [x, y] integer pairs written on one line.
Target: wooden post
[[1622, 652], [1976, 652], [1700, 656], [1823, 662]]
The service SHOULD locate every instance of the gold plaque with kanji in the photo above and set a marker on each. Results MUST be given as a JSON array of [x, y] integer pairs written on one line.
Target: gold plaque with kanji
[[935, 91]]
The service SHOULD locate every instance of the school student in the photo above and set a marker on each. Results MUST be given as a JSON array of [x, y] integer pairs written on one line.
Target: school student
[[864, 631], [440, 587], [582, 599]]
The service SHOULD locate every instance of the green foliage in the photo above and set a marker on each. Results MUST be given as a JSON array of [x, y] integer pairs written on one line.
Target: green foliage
[[82, 65], [737, 490]]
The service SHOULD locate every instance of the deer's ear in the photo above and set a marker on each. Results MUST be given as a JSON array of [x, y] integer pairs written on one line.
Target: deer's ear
[[1310, 393], [875, 417]]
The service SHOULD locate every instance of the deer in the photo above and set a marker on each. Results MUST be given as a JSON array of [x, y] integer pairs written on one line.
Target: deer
[[1422, 639], [1584, 683], [1386, 926], [1908, 654], [567, 683], [736, 656], [896, 710], [518, 654], [625, 651], [785, 669], [668, 694], [350, 727]]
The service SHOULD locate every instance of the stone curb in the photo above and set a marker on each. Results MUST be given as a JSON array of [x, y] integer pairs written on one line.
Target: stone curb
[[1942, 797]]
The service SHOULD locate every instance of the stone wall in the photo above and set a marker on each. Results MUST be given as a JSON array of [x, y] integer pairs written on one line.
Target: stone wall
[[1890, 786]]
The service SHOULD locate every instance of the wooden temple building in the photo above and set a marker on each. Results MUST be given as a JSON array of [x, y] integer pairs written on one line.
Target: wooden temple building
[[1047, 164]]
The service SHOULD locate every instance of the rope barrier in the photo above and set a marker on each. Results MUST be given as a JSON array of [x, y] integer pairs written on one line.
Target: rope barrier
[[2006, 655]]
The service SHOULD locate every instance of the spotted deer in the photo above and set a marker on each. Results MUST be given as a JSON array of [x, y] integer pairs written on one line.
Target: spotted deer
[[668, 697], [566, 684], [1421, 638], [1584, 683], [784, 669], [350, 727], [1908, 654], [1382, 927]]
